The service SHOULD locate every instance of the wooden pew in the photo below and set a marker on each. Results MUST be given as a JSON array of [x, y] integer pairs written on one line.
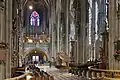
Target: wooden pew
[[15, 72], [21, 77], [46, 76], [51, 78], [38, 76], [80, 69]]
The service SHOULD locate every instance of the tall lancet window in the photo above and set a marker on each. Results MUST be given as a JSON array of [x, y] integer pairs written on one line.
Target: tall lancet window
[[34, 19]]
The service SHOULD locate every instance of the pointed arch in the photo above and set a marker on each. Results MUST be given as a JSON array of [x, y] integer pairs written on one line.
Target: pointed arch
[[38, 51]]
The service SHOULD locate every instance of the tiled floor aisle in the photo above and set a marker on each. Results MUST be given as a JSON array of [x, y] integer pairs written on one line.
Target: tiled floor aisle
[[58, 75]]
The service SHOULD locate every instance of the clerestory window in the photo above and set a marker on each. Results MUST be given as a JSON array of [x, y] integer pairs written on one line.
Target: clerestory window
[[34, 19]]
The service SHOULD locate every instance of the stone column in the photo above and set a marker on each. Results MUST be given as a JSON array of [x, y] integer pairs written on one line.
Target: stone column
[[2, 69], [118, 16], [58, 35], [0, 26], [93, 29], [67, 27], [53, 28], [77, 50], [8, 36], [3, 17], [82, 26], [1, 21], [44, 20], [21, 35], [2, 35], [112, 33], [53, 41], [118, 27], [58, 11], [73, 51]]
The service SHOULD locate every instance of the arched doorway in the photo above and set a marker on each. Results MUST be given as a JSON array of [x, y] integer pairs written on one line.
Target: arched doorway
[[36, 56]]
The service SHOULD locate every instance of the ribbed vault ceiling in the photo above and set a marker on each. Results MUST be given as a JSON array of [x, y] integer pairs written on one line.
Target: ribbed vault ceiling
[[38, 2]]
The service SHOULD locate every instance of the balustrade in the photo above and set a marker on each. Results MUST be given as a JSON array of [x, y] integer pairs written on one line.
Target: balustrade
[[94, 73], [33, 76]]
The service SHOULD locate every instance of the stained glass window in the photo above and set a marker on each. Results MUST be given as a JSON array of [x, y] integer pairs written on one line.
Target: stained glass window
[[34, 19], [35, 58]]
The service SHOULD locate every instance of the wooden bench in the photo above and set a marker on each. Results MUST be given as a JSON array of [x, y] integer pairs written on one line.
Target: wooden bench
[[37, 76], [15, 73], [21, 77]]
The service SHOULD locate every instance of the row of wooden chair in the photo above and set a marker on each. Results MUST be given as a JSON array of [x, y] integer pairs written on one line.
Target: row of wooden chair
[[43, 76], [19, 74]]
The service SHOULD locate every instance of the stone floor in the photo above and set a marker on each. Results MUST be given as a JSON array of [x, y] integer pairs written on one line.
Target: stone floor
[[60, 74], [63, 75]]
